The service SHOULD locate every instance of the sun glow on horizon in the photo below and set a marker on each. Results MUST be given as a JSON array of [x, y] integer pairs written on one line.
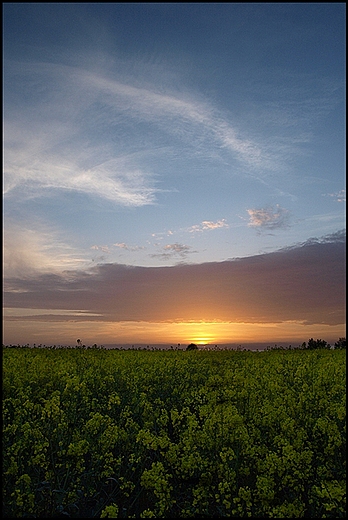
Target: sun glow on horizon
[[200, 333], [49, 330], [202, 341]]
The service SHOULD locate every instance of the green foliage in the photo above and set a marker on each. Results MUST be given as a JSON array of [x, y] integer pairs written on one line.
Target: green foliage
[[172, 434], [110, 511]]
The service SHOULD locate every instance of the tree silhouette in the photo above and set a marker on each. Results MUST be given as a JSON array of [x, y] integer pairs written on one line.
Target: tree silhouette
[[315, 344], [341, 343], [191, 346]]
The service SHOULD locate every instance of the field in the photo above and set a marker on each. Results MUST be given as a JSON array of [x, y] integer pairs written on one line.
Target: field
[[173, 434]]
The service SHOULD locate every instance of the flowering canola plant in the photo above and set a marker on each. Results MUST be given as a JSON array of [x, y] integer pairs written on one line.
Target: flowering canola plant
[[173, 434]]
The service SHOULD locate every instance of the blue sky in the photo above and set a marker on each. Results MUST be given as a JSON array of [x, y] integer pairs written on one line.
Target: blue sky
[[156, 135]]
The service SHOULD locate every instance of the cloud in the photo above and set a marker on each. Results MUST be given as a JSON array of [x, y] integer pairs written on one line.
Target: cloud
[[338, 237], [269, 218], [105, 249], [180, 109], [32, 248], [177, 248], [205, 225], [340, 196], [170, 251], [73, 122], [305, 283], [123, 245], [36, 169], [208, 225], [70, 145]]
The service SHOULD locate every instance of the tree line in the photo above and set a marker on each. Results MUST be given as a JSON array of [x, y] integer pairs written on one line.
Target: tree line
[[314, 344]]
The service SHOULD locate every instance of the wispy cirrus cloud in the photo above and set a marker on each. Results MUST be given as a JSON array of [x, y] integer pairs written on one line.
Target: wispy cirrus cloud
[[78, 107], [269, 218], [188, 115], [37, 169], [68, 108]]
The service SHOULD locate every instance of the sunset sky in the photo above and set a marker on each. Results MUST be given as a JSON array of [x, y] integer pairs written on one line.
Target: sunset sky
[[174, 172]]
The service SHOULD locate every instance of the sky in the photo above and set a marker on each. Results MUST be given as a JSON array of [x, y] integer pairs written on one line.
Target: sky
[[173, 172]]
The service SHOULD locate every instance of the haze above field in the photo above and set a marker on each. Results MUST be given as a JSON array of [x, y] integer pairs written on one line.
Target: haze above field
[[174, 172]]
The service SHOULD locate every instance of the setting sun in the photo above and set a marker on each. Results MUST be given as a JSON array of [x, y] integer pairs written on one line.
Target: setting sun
[[200, 333], [201, 341]]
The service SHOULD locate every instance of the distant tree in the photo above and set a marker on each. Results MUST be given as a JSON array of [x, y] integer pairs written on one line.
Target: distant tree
[[191, 346], [317, 344], [341, 343]]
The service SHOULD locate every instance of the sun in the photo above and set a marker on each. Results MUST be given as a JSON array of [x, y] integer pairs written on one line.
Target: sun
[[203, 338], [199, 333], [201, 341]]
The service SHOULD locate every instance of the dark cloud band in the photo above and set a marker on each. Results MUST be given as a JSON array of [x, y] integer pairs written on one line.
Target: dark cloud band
[[304, 283]]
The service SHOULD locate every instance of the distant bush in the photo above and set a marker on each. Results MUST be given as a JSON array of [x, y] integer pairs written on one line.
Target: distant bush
[[341, 343], [191, 346], [314, 344]]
